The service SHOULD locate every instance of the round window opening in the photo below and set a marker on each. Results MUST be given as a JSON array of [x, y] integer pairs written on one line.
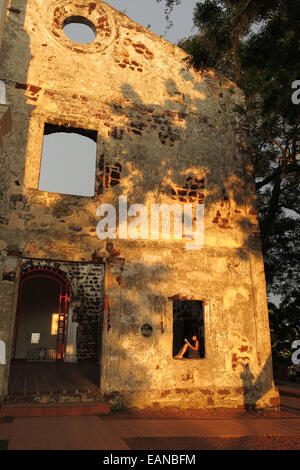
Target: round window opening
[[79, 29], [146, 330]]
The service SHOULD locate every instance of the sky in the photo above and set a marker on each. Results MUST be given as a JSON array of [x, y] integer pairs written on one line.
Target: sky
[[62, 151], [148, 12]]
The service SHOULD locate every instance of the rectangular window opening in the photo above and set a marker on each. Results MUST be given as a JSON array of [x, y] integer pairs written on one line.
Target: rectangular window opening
[[188, 322], [35, 338], [68, 163]]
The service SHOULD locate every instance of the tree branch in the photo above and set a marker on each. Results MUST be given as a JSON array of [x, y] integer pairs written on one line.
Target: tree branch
[[280, 171]]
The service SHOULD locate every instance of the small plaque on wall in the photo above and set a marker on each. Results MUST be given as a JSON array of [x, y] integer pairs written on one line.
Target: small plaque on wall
[[146, 330]]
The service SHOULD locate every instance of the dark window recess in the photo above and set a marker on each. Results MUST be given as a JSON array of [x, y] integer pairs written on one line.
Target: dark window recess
[[188, 321], [54, 128], [68, 164]]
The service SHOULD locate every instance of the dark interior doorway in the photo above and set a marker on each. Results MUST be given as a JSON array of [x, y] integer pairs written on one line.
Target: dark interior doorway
[[40, 325], [188, 320], [57, 335], [37, 322]]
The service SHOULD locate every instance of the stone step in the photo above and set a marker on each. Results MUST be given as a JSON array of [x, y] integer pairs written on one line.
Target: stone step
[[54, 398], [289, 389], [59, 409]]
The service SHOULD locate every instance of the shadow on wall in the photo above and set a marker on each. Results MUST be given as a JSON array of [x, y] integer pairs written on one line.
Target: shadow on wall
[[253, 389], [142, 171], [21, 107], [129, 165], [12, 169]]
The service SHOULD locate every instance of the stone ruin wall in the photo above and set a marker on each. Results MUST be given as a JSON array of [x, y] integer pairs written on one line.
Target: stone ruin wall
[[165, 134]]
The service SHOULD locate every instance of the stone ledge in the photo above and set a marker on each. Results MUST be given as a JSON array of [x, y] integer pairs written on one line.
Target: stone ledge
[[70, 409], [196, 397]]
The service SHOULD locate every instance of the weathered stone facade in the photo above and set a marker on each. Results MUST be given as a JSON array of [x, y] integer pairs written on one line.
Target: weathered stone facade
[[166, 134]]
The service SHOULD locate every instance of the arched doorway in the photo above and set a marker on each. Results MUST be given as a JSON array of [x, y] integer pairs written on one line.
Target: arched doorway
[[40, 325], [45, 335]]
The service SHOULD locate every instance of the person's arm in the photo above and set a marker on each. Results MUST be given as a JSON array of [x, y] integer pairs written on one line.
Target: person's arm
[[196, 347]]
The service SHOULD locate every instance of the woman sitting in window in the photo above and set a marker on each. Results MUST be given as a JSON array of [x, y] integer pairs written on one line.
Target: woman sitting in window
[[193, 350]]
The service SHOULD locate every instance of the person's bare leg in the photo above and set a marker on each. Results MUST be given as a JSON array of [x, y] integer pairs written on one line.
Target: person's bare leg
[[178, 355], [181, 352]]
